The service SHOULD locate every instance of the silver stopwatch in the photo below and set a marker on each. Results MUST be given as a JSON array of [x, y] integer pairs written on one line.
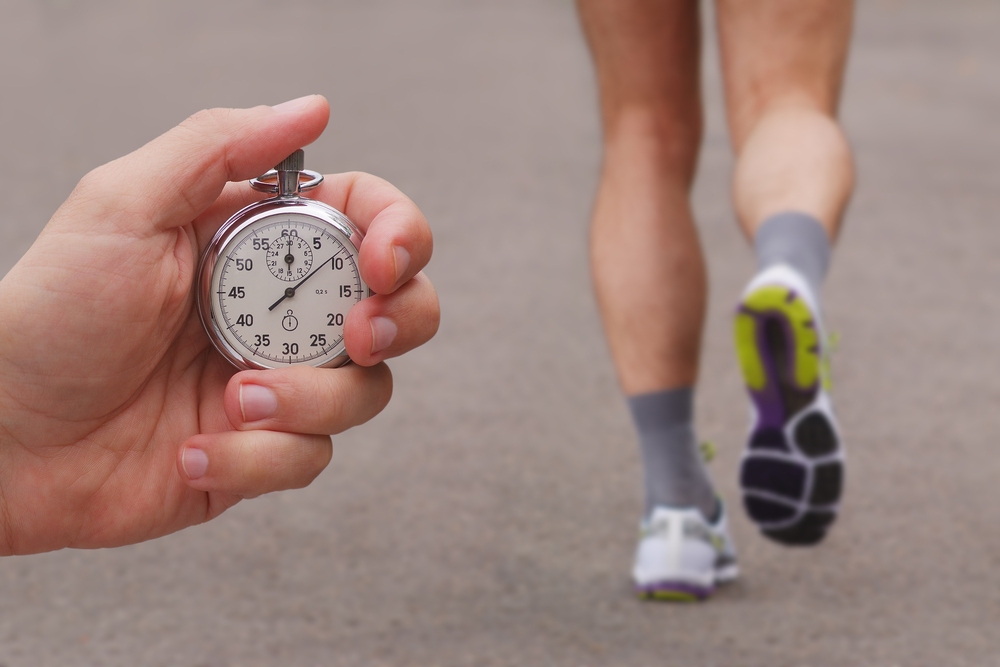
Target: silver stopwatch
[[276, 282]]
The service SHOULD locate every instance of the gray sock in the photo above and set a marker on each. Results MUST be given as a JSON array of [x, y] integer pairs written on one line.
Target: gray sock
[[673, 470], [796, 239]]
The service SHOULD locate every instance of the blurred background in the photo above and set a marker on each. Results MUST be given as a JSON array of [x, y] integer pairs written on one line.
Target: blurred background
[[488, 516]]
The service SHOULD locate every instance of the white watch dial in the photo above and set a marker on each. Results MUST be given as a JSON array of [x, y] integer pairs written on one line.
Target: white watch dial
[[281, 289]]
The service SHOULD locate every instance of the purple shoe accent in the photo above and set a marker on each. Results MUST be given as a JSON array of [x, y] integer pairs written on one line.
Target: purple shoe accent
[[675, 587], [770, 406], [791, 296]]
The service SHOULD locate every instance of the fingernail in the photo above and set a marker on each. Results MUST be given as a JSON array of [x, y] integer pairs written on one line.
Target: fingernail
[[293, 106], [383, 333], [402, 258], [257, 402], [195, 462]]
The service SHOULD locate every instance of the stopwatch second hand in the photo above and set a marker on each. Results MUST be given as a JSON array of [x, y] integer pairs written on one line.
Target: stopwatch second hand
[[290, 291], [289, 257]]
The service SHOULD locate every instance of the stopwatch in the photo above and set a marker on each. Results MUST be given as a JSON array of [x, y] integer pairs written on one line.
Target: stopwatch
[[277, 280]]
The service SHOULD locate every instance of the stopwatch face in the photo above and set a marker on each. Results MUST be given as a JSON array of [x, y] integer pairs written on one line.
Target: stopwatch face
[[282, 282]]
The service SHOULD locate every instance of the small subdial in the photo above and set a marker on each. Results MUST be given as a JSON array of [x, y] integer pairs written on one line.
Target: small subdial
[[289, 258]]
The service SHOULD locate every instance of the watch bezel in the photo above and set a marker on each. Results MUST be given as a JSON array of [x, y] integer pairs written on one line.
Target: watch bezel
[[238, 222]]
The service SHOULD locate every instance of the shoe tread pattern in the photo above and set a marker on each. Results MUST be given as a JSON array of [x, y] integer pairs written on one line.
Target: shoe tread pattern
[[791, 477]]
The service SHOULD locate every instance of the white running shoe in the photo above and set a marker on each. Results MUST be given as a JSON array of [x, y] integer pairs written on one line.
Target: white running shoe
[[681, 556], [793, 467]]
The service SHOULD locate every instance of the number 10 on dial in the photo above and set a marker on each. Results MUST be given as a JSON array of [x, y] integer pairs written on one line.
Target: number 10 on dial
[[277, 281]]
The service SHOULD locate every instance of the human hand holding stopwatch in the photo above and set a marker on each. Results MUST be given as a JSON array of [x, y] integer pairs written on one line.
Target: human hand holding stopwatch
[[120, 421]]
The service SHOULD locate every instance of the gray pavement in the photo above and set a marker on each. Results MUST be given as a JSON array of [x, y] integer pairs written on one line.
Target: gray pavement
[[487, 517]]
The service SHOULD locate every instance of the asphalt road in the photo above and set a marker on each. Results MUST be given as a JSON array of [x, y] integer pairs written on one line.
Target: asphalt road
[[488, 516]]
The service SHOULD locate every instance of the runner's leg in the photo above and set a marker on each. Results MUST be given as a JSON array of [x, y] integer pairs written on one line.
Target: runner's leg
[[646, 259], [783, 63], [650, 280]]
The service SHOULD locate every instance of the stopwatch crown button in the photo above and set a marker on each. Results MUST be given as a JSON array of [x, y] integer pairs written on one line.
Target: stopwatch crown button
[[294, 162], [286, 179]]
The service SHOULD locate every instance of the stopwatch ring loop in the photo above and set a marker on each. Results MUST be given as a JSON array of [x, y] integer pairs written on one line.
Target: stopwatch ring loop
[[308, 179]]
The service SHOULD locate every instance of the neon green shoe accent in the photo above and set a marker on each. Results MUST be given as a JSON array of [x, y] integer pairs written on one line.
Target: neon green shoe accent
[[826, 373], [770, 299], [708, 450], [670, 596], [833, 341], [746, 350]]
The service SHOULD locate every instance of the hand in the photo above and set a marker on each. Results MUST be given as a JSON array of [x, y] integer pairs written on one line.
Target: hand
[[118, 420]]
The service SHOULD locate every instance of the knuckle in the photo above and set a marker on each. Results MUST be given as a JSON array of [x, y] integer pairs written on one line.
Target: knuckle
[[206, 120], [254, 462], [98, 184], [387, 385], [335, 407], [315, 463]]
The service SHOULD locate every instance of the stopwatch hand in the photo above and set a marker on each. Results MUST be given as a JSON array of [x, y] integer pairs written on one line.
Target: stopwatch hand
[[290, 291]]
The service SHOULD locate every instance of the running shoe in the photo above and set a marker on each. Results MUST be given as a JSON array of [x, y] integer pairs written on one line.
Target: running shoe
[[793, 467], [681, 556]]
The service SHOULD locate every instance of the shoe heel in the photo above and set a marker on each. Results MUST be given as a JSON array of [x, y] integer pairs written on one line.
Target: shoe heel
[[793, 362]]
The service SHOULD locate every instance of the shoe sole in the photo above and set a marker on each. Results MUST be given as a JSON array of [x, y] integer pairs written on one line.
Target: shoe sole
[[792, 472], [673, 591], [682, 591]]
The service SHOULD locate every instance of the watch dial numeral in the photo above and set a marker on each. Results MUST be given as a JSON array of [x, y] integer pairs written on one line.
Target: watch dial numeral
[[245, 320], [244, 264], [290, 348], [262, 340], [317, 340], [334, 320], [237, 292]]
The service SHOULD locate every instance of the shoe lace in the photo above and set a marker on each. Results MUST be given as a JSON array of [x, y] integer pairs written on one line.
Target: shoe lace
[[708, 450]]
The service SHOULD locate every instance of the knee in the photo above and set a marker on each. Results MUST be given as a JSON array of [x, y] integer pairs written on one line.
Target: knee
[[753, 111], [665, 135]]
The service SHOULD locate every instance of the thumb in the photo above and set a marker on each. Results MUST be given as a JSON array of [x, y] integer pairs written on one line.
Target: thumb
[[172, 179]]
